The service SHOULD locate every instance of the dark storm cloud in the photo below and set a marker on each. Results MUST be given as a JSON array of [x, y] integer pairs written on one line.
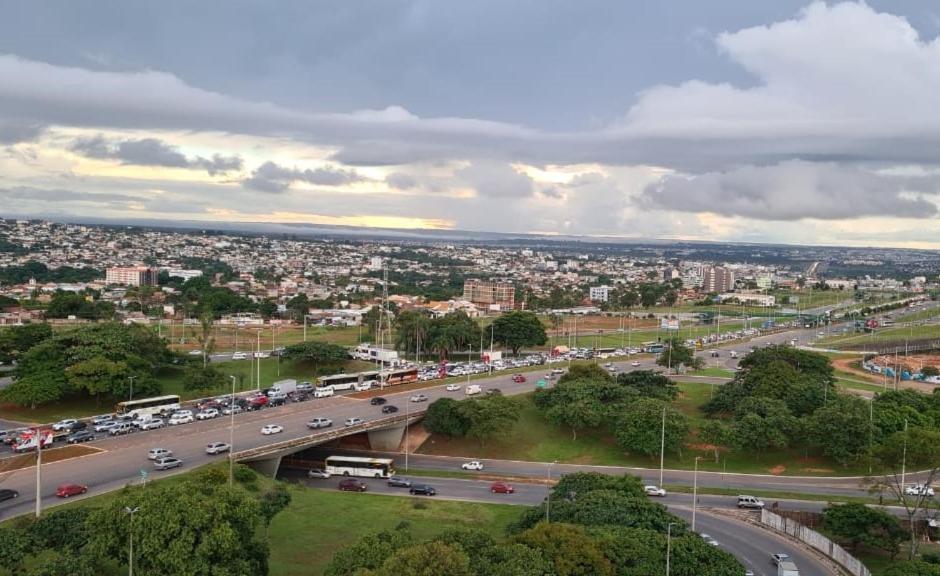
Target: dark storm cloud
[[271, 177], [152, 152]]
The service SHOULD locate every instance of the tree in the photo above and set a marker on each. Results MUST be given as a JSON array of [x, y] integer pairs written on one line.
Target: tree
[[570, 549], [98, 376], [205, 338], [298, 306], [318, 353], [273, 501], [411, 330], [187, 528], [585, 371], [581, 404], [716, 433], [197, 378], [841, 429], [455, 331], [575, 483], [16, 340], [427, 559], [444, 417], [649, 384], [858, 525], [677, 353], [490, 416], [913, 568], [367, 553], [517, 329], [639, 429], [930, 371]]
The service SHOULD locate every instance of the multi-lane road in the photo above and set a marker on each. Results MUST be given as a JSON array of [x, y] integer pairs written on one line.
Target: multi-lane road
[[117, 461]]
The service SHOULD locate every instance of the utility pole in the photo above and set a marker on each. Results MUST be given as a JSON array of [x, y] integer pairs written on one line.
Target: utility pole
[[130, 537], [662, 448], [695, 491], [39, 438], [231, 436], [668, 544], [548, 501], [904, 457], [131, 378], [258, 358]]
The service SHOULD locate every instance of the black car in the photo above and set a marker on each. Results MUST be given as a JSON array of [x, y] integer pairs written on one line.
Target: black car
[[399, 482], [8, 494], [494, 392], [422, 489], [80, 436], [77, 426], [378, 401], [389, 409]]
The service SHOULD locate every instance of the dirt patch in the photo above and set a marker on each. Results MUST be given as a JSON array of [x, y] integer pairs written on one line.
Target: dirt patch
[[777, 470], [50, 455], [910, 363], [588, 323]]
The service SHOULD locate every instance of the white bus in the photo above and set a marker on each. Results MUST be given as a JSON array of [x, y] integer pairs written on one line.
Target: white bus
[[359, 381], [148, 407], [359, 466]]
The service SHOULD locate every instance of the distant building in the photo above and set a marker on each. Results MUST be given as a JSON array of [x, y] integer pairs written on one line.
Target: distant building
[[375, 263], [184, 274], [133, 276], [600, 293], [765, 300], [486, 293], [718, 279], [670, 274]]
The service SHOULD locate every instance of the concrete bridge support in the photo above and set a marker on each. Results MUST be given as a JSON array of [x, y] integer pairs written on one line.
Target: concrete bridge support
[[267, 466], [387, 439]]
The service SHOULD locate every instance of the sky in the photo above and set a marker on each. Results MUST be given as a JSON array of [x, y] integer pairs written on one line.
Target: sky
[[730, 120]]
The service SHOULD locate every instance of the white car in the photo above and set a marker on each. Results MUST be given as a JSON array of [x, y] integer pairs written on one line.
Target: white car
[[228, 411], [472, 465], [271, 429], [452, 387], [239, 356], [352, 421], [262, 354], [635, 363], [654, 491], [158, 453], [217, 448], [64, 424], [208, 414], [181, 418], [151, 424], [195, 352], [419, 398], [919, 490]]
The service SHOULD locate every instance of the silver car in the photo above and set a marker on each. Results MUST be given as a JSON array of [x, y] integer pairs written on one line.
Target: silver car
[[167, 463]]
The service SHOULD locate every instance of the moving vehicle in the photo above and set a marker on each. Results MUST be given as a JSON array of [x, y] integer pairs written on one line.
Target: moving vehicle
[[493, 391], [377, 401], [64, 424], [239, 356], [318, 473], [319, 422], [750, 502], [207, 414], [151, 424], [518, 378], [360, 466], [787, 568], [67, 490], [349, 381], [181, 417], [399, 482], [419, 398], [352, 485], [501, 488], [733, 353], [102, 419], [452, 387], [167, 463], [472, 389], [635, 363], [285, 387], [157, 453], [80, 436], [400, 376], [652, 490], [229, 410], [120, 428], [352, 421], [7, 494], [422, 490], [776, 559], [472, 465], [148, 407], [217, 448], [269, 429], [323, 391], [258, 402], [919, 490], [389, 409]]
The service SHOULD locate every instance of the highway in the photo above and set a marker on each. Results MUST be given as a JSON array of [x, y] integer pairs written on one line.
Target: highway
[[751, 545]]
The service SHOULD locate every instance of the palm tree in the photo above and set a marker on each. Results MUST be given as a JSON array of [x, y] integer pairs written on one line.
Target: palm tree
[[205, 338]]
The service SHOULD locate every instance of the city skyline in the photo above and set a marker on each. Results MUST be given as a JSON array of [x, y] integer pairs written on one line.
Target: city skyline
[[687, 123]]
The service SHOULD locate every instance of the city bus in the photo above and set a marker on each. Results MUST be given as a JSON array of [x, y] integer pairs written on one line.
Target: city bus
[[360, 466], [402, 376], [148, 407], [359, 381]]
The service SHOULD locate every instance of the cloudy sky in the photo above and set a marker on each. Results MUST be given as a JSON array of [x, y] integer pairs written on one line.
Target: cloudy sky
[[779, 121]]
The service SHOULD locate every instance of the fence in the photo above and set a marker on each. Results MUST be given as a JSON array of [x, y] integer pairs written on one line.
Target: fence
[[838, 554]]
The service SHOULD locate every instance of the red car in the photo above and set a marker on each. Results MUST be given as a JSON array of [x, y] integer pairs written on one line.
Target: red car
[[518, 378], [352, 485], [501, 488], [258, 402], [66, 490]]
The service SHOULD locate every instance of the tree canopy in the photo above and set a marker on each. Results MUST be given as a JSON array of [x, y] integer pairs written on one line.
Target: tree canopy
[[517, 329]]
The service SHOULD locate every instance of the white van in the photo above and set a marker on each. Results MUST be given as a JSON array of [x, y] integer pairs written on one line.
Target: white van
[[362, 386], [472, 389], [749, 502], [323, 392]]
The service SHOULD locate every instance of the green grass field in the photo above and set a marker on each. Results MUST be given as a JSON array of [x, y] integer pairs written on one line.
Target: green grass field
[[317, 523], [634, 338], [895, 334], [920, 315], [713, 371], [535, 439]]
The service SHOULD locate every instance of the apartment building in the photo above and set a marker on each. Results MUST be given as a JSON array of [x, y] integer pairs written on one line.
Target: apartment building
[[132, 276], [718, 279], [485, 293]]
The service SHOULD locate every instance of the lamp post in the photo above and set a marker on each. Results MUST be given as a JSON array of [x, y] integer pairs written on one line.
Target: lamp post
[[130, 537], [695, 491], [131, 378], [548, 501], [662, 448], [39, 437], [231, 435], [668, 544]]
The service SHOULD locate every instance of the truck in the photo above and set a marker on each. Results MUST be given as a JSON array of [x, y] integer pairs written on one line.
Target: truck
[[787, 568], [28, 440], [282, 387]]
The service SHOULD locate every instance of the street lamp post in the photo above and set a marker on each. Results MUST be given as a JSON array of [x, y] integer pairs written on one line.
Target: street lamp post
[[695, 491], [231, 435], [39, 437], [662, 448], [668, 544], [131, 378], [130, 537], [548, 501]]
